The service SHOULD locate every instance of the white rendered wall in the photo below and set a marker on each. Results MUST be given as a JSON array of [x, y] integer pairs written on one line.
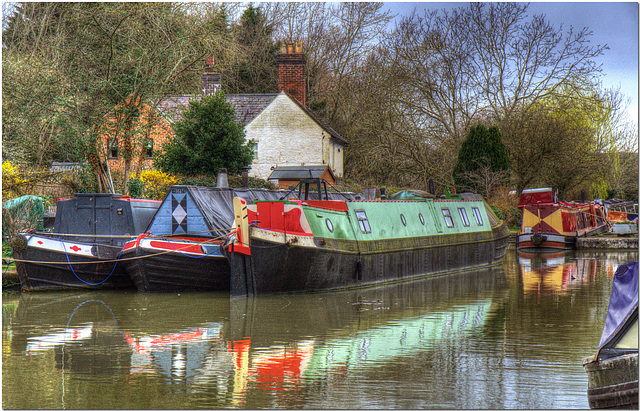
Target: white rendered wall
[[287, 136]]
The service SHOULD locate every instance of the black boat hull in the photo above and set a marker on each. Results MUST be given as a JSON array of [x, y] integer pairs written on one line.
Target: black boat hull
[[41, 268], [613, 382], [162, 271], [286, 267]]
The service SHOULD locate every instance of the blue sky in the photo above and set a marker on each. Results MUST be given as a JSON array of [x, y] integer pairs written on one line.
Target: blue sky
[[612, 23]]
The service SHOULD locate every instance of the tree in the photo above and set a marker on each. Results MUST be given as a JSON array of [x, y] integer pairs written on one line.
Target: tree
[[112, 59], [567, 140], [254, 70], [445, 71], [338, 37], [482, 161], [206, 139]]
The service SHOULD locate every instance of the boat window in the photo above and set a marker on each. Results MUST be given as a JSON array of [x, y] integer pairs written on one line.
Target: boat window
[[404, 220], [447, 217], [463, 216], [363, 222], [329, 225], [421, 217], [477, 215]]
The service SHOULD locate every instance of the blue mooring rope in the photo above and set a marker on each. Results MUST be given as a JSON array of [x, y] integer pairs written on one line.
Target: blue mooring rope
[[74, 272]]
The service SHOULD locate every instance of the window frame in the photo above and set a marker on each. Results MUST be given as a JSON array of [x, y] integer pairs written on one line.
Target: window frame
[[113, 148], [477, 216], [448, 218], [363, 221], [464, 217], [148, 149]]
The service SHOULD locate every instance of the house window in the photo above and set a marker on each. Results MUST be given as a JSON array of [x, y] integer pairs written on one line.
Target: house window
[[447, 217], [363, 221], [113, 148], [463, 216], [255, 150], [148, 147], [477, 215]]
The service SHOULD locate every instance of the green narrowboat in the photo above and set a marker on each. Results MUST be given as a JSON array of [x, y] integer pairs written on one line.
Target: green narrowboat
[[304, 245]]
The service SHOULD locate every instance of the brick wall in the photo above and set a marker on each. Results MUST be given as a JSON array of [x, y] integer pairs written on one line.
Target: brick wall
[[160, 132], [292, 75]]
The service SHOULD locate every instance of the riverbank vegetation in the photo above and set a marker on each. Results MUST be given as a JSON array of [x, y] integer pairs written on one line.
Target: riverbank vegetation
[[405, 92]]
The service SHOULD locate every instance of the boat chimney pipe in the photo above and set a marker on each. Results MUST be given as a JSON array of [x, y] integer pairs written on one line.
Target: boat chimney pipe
[[222, 181], [245, 176]]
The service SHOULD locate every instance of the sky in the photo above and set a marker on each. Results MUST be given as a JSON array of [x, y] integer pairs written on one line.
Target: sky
[[612, 23]]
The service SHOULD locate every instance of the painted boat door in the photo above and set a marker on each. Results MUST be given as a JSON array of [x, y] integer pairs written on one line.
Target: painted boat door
[[436, 220]]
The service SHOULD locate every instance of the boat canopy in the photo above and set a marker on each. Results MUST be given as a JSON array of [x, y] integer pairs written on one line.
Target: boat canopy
[[25, 212], [536, 195], [623, 307], [208, 211]]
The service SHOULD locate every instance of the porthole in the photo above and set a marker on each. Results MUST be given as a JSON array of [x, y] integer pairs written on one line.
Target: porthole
[[329, 224], [421, 218], [404, 220]]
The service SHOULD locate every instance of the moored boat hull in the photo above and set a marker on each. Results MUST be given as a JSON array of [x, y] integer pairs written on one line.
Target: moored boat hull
[[545, 242], [303, 264], [162, 266], [46, 263], [613, 382], [550, 242]]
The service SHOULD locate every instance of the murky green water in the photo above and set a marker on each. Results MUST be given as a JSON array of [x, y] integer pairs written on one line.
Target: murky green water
[[511, 337]]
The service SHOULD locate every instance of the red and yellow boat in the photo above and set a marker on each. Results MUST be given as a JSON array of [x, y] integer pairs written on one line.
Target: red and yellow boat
[[548, 224]]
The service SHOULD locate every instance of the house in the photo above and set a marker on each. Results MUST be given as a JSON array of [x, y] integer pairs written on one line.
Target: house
[[154, 130], [285, 176], [285, 132]]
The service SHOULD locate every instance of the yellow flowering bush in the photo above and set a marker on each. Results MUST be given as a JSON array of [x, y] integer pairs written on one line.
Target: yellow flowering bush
[[156, 183], [13, 181]]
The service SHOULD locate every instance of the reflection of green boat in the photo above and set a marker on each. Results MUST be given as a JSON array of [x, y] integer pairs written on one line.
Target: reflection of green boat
[[398, 338], [333, 315], [358, 329]]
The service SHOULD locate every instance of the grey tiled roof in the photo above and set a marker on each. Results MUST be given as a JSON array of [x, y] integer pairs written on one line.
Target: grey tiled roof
[[247, 106]]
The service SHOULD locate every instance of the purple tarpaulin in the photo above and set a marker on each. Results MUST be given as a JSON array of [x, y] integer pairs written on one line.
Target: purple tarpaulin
[[623, 301]]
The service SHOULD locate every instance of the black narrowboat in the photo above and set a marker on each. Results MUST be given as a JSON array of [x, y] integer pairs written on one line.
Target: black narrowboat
[[82, 250]]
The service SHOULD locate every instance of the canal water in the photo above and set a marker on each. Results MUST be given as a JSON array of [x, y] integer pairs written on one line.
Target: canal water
[[511, 337]]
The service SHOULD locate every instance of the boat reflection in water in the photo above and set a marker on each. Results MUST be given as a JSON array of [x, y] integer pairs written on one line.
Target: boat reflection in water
[[560, 272], [231, 348]]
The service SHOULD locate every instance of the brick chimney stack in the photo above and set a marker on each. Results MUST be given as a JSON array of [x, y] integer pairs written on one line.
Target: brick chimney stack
[[292, 68], [210, 79]]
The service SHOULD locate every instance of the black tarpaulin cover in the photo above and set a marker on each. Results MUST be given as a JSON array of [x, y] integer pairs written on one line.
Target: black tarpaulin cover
[[623, 302]]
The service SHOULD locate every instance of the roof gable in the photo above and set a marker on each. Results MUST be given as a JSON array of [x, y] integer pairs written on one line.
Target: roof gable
[[334, 134]]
